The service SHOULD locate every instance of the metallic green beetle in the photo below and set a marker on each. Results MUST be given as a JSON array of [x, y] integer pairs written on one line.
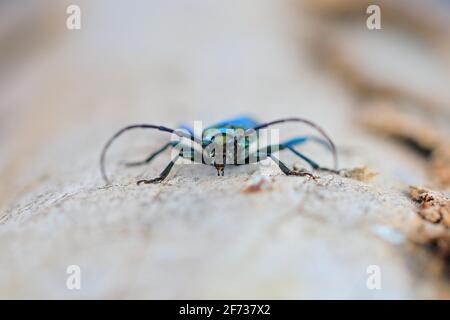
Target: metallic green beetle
[[229, 142]]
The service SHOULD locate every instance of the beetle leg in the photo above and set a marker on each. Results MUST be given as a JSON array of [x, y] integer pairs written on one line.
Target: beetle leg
[[312, 163], [305, 121], [180, 133], [155, 180], [267, 152], [193, 156], [152, 156], [290, 172], [163, 174], [285, 146]]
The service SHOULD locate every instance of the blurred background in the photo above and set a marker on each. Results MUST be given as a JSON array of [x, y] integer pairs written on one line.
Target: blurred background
[[381, 94]]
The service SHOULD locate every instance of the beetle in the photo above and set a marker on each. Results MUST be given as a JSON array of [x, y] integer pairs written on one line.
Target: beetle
[[227, 143]]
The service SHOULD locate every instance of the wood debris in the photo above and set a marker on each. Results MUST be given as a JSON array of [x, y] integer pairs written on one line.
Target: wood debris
[[257, 184], [436, 240], [433, 229], [385, 118], [440, 164], [415, 131], [359, 173], [433, 206]]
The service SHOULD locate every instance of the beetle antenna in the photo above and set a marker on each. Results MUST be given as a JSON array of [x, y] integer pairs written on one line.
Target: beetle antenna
[[180, 133], [308, 122]]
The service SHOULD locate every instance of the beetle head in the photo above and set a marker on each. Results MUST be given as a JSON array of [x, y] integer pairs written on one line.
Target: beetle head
[[221, 146]]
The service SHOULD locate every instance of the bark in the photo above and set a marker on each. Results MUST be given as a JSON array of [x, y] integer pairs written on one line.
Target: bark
[[197, 235]]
